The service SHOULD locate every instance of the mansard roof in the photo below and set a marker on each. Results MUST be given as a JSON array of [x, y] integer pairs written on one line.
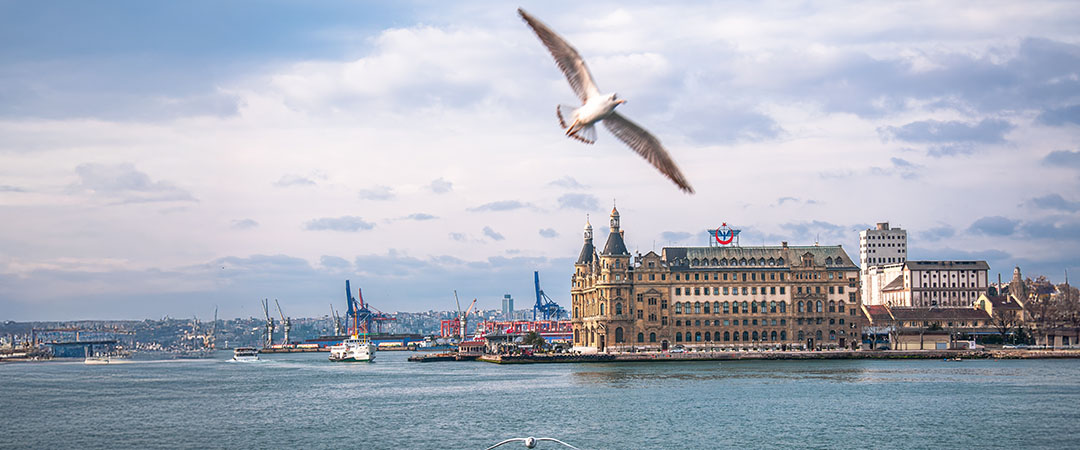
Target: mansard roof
[[830, 256], [947, 265]]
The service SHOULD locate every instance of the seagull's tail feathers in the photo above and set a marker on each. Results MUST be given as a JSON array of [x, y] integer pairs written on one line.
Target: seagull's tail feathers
[[566, 115], [585, 134]]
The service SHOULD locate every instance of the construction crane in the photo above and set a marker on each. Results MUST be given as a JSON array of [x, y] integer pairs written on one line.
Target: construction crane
[[361, 315], [269, 327], [337, 321], [463, 320], [545, 306], [286, 323]]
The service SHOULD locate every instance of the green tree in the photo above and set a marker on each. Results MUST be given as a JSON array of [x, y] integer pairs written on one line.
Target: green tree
[[535, 340]]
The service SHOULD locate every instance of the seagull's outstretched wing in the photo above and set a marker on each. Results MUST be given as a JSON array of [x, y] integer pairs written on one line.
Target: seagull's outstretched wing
[[568, 59], [647, 146]]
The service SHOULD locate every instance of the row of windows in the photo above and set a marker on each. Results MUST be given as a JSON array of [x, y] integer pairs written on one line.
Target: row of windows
[[747, 336], [755, 307], [753, 290]]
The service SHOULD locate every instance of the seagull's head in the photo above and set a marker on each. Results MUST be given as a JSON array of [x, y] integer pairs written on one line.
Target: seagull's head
[[614, 98]]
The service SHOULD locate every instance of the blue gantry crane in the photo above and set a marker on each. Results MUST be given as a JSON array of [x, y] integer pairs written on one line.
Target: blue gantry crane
[[360, 316], [545, 307]]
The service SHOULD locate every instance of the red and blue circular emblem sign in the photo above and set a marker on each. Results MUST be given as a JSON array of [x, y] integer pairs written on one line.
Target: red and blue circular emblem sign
[[725, 235]]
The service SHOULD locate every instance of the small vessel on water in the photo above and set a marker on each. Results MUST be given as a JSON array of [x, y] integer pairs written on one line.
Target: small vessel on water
[[245, 354], [96, 360], [353, 349]]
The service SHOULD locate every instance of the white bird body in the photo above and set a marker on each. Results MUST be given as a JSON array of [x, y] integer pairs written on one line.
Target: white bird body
[[596, 107]]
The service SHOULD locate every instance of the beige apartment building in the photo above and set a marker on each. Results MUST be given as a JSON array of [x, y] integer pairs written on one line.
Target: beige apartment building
[[713, 298]]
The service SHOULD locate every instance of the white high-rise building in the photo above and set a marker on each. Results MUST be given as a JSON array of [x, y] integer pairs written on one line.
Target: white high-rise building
[[879, 246]]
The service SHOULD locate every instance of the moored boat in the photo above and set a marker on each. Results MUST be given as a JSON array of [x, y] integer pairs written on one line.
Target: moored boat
[[245, 354]]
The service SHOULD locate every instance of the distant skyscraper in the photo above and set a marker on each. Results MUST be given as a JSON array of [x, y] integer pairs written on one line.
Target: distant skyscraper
[[508, 307]]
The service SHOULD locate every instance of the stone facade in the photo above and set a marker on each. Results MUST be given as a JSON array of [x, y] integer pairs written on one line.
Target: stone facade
[[713, 298]]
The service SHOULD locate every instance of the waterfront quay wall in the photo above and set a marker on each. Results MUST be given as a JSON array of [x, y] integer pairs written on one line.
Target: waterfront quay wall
[[777, 355]]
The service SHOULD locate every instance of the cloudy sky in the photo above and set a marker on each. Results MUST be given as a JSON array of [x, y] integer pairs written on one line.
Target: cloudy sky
[[163, 158]]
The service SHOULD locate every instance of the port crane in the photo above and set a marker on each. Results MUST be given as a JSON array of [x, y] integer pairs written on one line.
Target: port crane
[[463, 321], [361, 315], [269, 327], [286, 322], [545, 306], [337, 321]]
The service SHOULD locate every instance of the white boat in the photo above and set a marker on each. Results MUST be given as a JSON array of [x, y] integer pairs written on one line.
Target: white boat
[[96, 360], [353, 349], [245, 354]]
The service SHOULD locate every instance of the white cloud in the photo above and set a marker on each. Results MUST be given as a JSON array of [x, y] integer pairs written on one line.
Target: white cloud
[[467, 93]]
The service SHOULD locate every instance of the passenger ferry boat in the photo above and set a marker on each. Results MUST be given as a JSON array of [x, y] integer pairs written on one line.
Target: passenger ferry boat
[[353, 349], [245, 354]]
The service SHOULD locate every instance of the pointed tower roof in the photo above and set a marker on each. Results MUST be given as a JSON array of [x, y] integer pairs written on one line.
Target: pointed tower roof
[[615, 244], [587, 250]]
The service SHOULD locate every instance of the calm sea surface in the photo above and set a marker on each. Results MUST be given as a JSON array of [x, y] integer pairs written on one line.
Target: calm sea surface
[[304, 401]]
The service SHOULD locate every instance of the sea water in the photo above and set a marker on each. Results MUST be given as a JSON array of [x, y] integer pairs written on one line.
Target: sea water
[[304, 401]]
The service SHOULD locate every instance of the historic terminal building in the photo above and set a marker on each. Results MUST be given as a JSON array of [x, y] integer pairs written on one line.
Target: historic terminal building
[[713, 298]]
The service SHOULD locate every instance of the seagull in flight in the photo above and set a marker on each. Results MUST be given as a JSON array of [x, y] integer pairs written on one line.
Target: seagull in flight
[[580, 122]]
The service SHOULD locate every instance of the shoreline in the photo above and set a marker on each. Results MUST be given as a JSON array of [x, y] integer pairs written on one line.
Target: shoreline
[[779, 355]]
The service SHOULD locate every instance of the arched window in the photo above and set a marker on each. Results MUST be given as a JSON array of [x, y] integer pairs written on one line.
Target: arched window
[[801, 335], [772, 307], [678, 337], [783, 335], [714, 262], [745, 308], [818, 304], [678, 308], [716, 307], [832, 306], [697, 308], [708, 337], [641, 337], [576, 313], [727, 336], [697, 337], [705, 307], [764, 306], [783, 307], [652, 337], [618, 335], [832, 335], [801, 307], [764, 335], [828, 261], [780, 261], [734, 307], [742, 262], [697, 323], [819, 335], [601, 309], [688, 338], [772, 336], [753, 307], [761, 261], [746, 336], [735, 336], [840, 306], [755, 335], [576, 336], [618, 309]]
